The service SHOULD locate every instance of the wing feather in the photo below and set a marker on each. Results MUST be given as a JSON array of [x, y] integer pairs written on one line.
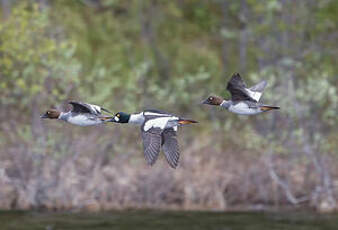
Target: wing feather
[[151, 144], [256, 91], [237, 89], [79, 107], [170, 147]]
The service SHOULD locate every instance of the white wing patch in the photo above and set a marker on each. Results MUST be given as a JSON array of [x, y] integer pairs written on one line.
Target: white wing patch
[[254, 95], [95, 108], [160, 122], [154, 114], [256, 91]]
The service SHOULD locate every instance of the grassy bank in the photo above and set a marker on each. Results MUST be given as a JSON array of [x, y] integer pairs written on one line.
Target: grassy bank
[[149, 220]]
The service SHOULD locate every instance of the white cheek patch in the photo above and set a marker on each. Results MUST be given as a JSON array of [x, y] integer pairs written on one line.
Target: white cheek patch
[[116, 118]]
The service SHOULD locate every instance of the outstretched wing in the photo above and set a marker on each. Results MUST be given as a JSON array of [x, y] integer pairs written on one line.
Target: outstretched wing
[[151, 144], [170, 147], [237, 89], [256, 91], [79, 107]]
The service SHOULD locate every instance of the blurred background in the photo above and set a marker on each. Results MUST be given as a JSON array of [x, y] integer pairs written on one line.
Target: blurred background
[[129, 55]]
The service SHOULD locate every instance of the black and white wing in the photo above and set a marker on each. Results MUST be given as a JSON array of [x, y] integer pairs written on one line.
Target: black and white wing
[[152, 129], [156, 133], [256, 91], [170, 147], [79, 107], [237, 89]]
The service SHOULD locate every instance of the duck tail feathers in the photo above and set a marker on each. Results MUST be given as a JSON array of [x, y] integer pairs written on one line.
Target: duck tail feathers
[[183, 121], [268, 107]]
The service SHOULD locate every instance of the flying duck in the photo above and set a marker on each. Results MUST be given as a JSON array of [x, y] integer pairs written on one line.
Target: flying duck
[[244, 101], [82, 114], [158, 130]]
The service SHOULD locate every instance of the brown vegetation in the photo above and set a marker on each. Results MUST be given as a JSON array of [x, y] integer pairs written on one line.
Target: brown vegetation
[[91, 176]]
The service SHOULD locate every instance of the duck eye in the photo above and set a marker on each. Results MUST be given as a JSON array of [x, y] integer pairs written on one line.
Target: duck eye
[[48, 112], [118, 115], [211, 98]]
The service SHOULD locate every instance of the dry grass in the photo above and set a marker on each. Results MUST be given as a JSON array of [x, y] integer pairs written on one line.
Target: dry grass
[[93, 176]]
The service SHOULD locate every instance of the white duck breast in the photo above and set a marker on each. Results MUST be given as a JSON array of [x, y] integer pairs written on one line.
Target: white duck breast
[[83, 120], [243, 109]]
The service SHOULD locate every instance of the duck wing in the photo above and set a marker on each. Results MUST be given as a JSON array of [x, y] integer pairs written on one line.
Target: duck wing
[[170, 147], [153, 126], [237, 89], [256, 91], [151, 144], [79, 107]]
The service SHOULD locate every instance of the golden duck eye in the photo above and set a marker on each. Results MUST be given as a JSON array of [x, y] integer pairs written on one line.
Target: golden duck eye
[[118, 115]]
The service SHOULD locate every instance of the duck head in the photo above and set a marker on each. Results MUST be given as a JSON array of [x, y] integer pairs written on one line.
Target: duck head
[[121, 117], [213, 100], [51, 114]]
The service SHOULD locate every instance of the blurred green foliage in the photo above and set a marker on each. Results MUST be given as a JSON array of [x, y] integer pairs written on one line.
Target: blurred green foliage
[[130, 55], [35, 61]]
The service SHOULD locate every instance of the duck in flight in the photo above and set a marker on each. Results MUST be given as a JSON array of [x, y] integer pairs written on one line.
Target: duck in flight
[[82, 114], [158, 131], [244, 101]]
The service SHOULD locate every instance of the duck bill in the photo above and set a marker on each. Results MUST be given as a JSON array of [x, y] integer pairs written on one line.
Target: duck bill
[[44, 116], [206, 102]]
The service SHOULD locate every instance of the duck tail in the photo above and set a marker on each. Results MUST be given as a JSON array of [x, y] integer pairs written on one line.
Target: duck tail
[[183, 121], [265, 108]]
